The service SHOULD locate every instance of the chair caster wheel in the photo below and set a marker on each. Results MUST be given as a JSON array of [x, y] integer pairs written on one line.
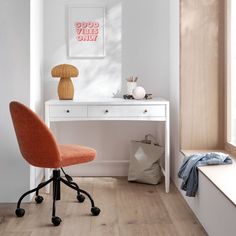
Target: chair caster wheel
[[56, 220], [38, 199], [95, 211], [20, 212], [80, 198]]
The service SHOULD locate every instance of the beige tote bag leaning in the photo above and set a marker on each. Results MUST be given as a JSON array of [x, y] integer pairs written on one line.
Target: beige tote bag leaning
[[144, 165]]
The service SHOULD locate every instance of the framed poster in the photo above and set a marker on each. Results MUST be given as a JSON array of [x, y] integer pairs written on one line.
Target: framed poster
[[86, 32]]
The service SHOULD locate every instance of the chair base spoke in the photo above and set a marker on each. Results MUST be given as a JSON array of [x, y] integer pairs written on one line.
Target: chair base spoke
[[57, 179]]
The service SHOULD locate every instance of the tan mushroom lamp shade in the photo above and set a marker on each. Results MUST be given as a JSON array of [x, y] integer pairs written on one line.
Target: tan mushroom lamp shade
[[65, 87]]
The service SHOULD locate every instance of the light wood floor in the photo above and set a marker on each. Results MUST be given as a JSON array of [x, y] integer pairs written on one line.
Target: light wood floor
[[127, 209]]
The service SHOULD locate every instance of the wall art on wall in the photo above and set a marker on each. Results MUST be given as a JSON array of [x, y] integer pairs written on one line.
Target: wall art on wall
[[86, 28]]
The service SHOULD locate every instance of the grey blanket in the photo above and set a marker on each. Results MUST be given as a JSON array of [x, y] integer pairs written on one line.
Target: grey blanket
[[189, 172]]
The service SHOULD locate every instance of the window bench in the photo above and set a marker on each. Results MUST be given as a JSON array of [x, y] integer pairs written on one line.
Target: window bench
[[215, 202], [222, 176]]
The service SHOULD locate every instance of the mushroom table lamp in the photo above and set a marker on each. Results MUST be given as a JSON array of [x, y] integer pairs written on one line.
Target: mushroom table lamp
[[65, 87]]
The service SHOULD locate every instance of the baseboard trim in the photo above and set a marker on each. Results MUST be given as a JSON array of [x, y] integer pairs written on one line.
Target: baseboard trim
[[100, 168]]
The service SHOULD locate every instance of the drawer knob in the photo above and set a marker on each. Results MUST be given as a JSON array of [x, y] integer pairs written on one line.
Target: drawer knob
[[145, 111], [106, 111], [67, 111]]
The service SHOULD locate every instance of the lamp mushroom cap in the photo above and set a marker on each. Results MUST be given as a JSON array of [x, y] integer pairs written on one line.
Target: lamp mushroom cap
[[64, 71]]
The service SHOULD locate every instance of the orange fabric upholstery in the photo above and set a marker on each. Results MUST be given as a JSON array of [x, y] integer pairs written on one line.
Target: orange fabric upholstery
[[70, 154], [38, 145]]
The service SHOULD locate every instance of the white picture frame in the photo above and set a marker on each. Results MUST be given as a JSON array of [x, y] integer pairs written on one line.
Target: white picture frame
[[86, 31]]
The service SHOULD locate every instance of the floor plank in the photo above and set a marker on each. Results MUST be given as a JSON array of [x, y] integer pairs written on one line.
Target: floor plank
[[128, 209], [182, 217]]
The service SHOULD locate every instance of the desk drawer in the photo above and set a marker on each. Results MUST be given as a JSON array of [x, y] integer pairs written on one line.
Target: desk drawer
[[68, 111], [126, 111]]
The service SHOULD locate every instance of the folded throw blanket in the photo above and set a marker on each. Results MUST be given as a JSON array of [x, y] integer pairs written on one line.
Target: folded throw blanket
[[189, 172]]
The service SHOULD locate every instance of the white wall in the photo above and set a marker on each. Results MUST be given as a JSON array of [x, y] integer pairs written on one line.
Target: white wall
[[137, 43], [136, 53], [15, 85], [174, 85], [36, 72], [145, 44]]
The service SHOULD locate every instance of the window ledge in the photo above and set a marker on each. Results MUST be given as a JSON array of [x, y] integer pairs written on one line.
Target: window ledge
[[222, 176]]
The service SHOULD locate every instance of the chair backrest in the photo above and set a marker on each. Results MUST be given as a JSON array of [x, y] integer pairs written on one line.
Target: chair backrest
[[36, 142]]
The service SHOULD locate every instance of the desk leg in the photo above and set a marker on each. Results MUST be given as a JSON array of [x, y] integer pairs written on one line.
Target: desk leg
[[167, 150], [47, 175]]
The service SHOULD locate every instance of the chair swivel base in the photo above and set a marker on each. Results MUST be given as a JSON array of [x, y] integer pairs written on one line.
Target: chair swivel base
[[57, 180]]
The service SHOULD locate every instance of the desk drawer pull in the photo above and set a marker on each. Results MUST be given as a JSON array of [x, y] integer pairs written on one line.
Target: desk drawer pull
[[67, 111], [145, 111], [106, 111]]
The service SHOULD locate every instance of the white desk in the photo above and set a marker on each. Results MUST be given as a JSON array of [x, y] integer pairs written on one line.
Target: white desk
[[154, 110]]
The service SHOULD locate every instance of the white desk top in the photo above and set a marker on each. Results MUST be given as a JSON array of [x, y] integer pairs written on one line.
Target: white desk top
[[108, 101]]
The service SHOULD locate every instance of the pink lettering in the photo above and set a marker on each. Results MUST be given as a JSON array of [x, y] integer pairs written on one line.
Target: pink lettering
[[90, 24], [79, 31], [84, 24], [96, 24], [87, 31], [80, 38], [78, 24]]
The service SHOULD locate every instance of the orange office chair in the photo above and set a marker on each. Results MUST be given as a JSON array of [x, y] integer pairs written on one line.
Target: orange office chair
[[39, 148]]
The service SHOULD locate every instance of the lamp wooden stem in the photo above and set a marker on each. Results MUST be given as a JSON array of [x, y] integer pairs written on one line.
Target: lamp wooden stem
[[65, 89]]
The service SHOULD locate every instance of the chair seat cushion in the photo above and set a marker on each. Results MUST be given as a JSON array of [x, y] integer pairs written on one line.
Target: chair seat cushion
[[75, 154]]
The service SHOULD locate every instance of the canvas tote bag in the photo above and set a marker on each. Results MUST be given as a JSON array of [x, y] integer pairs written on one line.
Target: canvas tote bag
[[144, 165]]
